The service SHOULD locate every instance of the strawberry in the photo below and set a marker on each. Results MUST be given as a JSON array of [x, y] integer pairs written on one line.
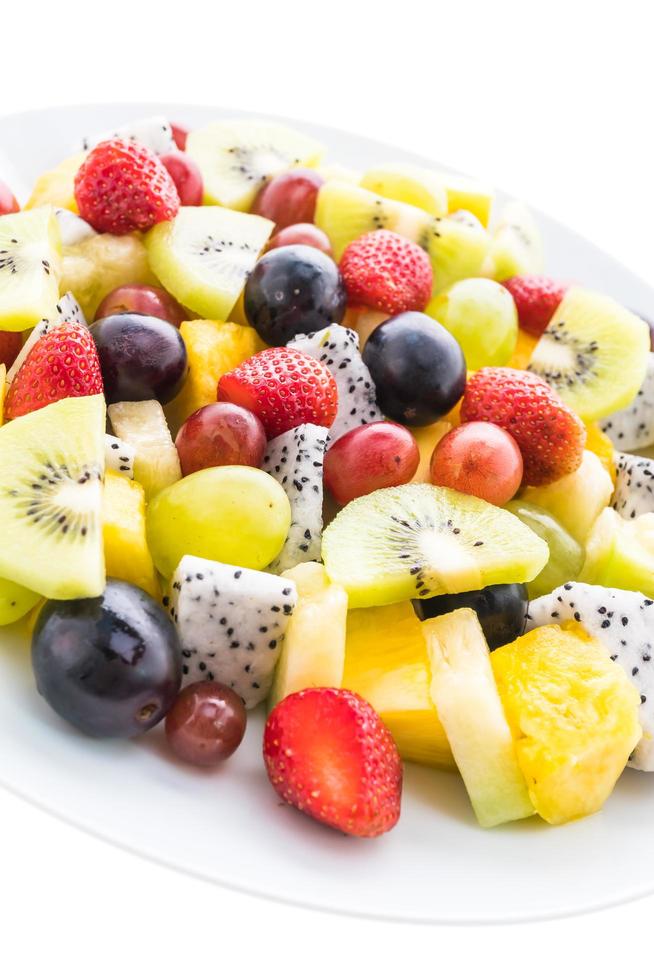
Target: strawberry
[[536, 299], [8, 203], [328, 753], [122, 187], [550, 435], [387, 272], [11, 342], [62, 364], [284, 387]]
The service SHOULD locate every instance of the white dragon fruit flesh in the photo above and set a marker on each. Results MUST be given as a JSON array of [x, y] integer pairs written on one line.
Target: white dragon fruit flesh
[[119, 456], [72, 228], [295, 460], [231, 623], [338, 349], [634, 486], [155, 133], [624, 623], [633, 427], [68, 311]]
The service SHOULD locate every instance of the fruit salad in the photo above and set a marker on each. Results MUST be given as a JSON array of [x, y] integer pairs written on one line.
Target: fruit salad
[[332, 447]]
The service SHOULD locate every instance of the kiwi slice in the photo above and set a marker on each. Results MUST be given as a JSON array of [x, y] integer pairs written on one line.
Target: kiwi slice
[[516, 248], [412, 185], [238, 156], [457, 247], [15, 601], [30, 254], [418, 540], [51, 469], [204, 255], [594, 353]]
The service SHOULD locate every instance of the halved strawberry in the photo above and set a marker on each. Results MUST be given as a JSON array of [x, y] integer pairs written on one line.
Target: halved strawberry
[[328, 753], [62, 364]]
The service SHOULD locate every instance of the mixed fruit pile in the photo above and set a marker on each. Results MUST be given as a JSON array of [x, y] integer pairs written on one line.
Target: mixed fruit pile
[[332, 444]]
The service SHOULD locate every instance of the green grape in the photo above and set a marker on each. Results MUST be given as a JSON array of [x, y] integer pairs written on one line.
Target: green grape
[[566, 554], [235, 514], [481, 314]]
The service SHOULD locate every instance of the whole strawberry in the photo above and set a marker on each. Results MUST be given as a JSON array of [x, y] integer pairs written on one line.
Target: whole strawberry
[[328, 753], [536, 298], [122, 186], [550, 435], [284, 387], [62, 364], [385, 271]]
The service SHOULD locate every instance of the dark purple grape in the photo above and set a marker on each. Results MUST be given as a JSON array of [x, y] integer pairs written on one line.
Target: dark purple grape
[[418, 368], [111, 666], [206, 724], [141, 357], [293, 289], [501, 609]]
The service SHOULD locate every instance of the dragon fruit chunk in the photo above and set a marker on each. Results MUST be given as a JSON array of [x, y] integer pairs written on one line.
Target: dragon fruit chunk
[[295, 460], [155, 133], [119, 456], [231, 623], [338, 349], [633, 427], [624, 622], [634, 486]]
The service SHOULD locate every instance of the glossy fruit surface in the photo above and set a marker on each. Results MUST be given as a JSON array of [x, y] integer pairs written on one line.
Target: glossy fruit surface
[[206, 724], [186, 177], [418, 368], [289, 198], [148, 300], [8, 203], [478, 458], [234, 514], [482, 316], [385, 271], [112, 665], [291, 290], [142, 358], [301, 234], [381, 454], [501, 610], [11, 342], [220, 435]]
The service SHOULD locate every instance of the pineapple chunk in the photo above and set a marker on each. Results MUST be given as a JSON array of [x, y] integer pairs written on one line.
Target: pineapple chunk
[[96, 265], [576, 500], [386, 663], [213, 349], [600, 444], [427, 438], [573, 714], [126, 551], [143, 426], [523, 350], [409, 184], [464, 692], [313, 653], [57, 186]]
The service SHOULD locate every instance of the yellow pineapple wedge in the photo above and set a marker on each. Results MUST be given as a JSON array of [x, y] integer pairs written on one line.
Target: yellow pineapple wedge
[[56, 186], [95, 266], [574, 718], [386, 663], [464, 692], [600, 444], [126, 551], [427, 438], [213, 349], [522, 351], [313, 652]]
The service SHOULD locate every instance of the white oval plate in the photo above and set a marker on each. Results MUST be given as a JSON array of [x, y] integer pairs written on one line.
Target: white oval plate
[[229, 826]]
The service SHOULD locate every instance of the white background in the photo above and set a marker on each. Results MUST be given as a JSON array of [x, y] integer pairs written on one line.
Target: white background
[[551, 101]]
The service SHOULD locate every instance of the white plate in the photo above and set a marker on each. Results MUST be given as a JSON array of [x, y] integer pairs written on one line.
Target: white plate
[[229, 826]]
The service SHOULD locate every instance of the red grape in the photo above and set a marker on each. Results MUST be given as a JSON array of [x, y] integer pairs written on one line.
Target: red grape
[[480, 459], [186, 177], [381, 454], [8, 203], [180, 134], [220, 435], [149, 300], [206, 724], [302, 234], [289, 198], [11, 342]]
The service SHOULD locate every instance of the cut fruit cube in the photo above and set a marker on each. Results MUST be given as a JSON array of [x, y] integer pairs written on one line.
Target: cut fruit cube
[[313, 652], [466, 194], [126, 552], [469, 707], [237, 157], [574, 717], [51, 470], [15, 601], [620, 553], [57, 186], [119, 456], [143, 425], [515, 247], [575, 500], [213, 348], [427, 437], [594, 352], [30, 266], [204, 256], [95, 266], [386, 663], [415, 541], [409, 184]]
